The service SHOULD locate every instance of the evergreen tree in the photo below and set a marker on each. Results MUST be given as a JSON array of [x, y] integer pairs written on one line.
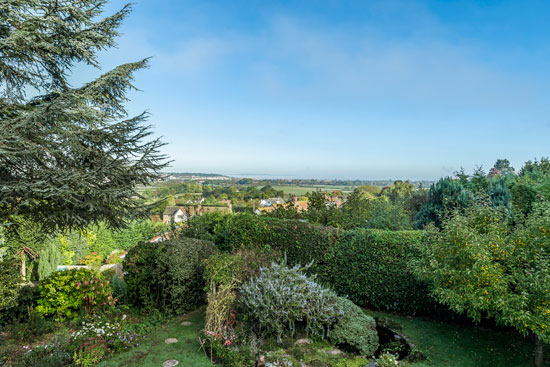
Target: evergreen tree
[[50, 257], [69, 156]]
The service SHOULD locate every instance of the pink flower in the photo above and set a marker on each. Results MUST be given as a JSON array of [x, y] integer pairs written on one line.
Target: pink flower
[[227, 342]]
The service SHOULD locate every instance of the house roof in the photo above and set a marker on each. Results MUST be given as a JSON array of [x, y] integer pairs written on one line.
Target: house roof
[[171, 210]]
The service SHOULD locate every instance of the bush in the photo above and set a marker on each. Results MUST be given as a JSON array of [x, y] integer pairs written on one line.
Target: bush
[[22, 307], [282, 297], [34, 325], [119, 289], [167, 275], [354, 329], [65, 294], [50, 257], [374, 268], [224, 274], [10, 278], [302, 242]]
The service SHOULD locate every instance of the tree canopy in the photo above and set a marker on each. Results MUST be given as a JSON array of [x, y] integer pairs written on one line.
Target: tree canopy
[[69, 156]]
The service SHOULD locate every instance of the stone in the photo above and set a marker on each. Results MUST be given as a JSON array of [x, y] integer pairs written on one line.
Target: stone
[[302, 342], [333, 352], [170, 363], [187, 323], [171, 341]]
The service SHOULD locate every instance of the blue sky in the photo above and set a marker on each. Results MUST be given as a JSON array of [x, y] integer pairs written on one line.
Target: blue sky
[[341, 89]]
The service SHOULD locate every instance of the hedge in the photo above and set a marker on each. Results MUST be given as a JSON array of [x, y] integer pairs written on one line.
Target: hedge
[[302, 242], [167, 275], [372, 267]]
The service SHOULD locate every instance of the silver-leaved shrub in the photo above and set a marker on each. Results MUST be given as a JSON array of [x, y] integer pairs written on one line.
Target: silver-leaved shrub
[[281, 299]]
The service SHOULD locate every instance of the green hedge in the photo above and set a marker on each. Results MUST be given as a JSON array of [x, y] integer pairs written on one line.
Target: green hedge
[[302, 242], [374, 268], [371, 267], [167, 275]]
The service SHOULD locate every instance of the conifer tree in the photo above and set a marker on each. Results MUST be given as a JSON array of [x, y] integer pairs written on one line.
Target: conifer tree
[[69, 155]]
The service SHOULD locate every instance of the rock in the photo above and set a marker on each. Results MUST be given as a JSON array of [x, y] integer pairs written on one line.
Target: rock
[[170, 363], [333, 352], [302, 342], [171, 341], [187, 323], [373, 364]]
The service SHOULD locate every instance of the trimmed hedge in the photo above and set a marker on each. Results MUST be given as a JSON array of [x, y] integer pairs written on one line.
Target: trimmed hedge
[[372, 267], [302, 242], [167, 275]]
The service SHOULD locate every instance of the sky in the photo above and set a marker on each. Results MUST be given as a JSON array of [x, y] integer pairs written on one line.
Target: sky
[[340, 89]]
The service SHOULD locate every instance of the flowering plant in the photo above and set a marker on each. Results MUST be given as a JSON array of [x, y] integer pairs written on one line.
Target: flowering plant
[[90, 352]]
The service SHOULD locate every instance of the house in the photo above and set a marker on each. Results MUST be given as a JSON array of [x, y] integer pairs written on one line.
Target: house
[[300, 203], [173, 214], [271, 201]]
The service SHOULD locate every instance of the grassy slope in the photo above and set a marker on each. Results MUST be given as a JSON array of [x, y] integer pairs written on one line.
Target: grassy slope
[[464, 346], [153, 351]]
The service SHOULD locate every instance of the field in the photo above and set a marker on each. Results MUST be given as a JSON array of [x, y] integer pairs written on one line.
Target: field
[[302, 190]]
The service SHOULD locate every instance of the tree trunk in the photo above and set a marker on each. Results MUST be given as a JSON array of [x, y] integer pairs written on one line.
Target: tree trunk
[[23, 266], [538, 352]]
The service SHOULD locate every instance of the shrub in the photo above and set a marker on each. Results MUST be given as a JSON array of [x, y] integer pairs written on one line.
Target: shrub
[[281, 297], [302, 242], [354, 329], [114, 257], [167, 275], [34, 325], [67, 293], [224, 274], [22, 308], [119, 289], [50, 257], [10, 278], [374, 268]]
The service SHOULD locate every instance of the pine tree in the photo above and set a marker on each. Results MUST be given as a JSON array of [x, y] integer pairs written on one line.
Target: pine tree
[[69, 156]]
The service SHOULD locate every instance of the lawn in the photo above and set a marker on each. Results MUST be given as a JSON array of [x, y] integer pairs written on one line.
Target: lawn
[[154, 351], [302, 190], [446, 345], [453, 345]]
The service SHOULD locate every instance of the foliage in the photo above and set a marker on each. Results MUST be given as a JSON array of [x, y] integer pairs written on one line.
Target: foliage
[[33, 325], [21, 310], [374, 268], [70, 156], [119, 289], [355, 329], [52, 354], [50, 257], [387, 360], [90, 352], [382, 213], [444, 196], [481, 266], [224, 274], [10, 280], [224, 351], [67, 293], [282, 297], [167, 275]]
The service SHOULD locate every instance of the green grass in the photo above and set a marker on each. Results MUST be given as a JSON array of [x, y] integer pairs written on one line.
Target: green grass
[[464, 346], [445, 345], [302, 190], [153, 351]]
